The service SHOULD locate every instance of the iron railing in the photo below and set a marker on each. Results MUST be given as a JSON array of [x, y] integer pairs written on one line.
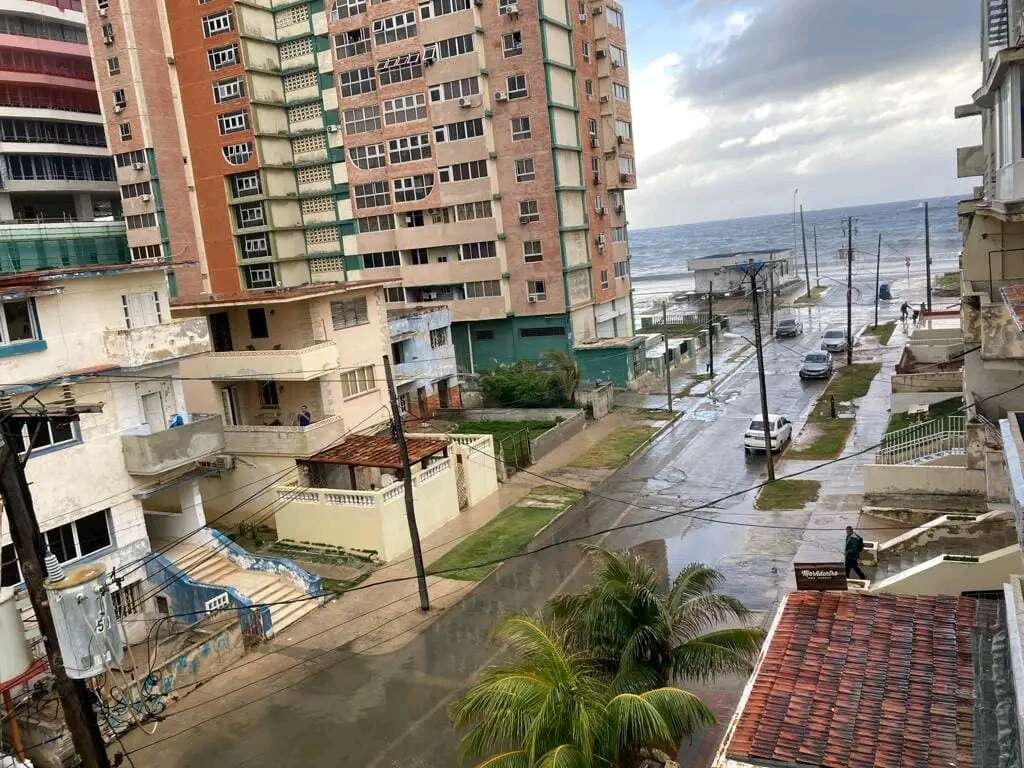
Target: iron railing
[[942, 435]]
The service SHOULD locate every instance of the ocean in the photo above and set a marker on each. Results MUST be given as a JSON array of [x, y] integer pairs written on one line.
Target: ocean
[[660, 255]]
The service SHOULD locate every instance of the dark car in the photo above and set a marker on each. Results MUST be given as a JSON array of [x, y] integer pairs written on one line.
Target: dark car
[[885, 292], [816, 365], [788, 326]]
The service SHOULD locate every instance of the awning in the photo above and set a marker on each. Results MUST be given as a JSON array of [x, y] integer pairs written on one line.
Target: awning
[[379, 451]]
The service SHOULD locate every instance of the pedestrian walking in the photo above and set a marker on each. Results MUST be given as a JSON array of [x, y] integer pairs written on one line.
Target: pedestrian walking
[[854, 546], [904, 311]]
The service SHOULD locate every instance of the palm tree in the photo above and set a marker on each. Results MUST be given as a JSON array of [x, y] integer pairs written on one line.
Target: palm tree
[[642, 636], [550, 708], [563, 365]]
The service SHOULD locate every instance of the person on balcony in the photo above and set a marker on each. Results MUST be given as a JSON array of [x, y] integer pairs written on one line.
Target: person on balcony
[[304, 418]]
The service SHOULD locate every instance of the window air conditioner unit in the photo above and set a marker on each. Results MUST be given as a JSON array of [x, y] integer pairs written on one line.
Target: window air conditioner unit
[[616, 64], [597, 178], [332, 129], [145, 198], [531, 299], [103, 12], [601, 53], [118, 108], [593, 142], [620, 208], [583, 17], [513, 9], [108, 39], [620, 139], [524, 219], [138, 166], [624, 177], [597, 9], [600, 211], [465, 102], [499, 96], [601, 240], [604, 99], [478, 3]]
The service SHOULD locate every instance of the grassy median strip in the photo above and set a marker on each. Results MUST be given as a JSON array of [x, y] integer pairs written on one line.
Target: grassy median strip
[[882, 332], [614, 449], [740, 353], [827, 436], [814, 297], [787, 494], [506, 534]]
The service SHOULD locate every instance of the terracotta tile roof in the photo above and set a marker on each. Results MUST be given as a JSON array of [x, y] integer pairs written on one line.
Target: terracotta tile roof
[[379, 451], [863, 681], [1013, 295]]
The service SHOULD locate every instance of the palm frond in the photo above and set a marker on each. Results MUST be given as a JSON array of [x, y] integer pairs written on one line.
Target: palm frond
[[635, 723], [682, 711], [727, 651], [515, 759], [694, 580], [702, 613], [564, 756]]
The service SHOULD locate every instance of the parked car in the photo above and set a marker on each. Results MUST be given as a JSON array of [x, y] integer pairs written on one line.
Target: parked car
[[834, 340], [781, 431], [788, 326], [816, 365], [885, 292]]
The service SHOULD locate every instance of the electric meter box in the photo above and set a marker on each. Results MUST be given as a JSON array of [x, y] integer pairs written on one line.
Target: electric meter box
[[83, 613]]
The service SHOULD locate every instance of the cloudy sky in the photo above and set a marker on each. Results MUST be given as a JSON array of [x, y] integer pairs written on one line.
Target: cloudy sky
[[738, 102]]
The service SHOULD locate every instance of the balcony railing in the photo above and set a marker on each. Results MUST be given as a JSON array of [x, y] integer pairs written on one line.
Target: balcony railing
[[135, 347], [304, 364], [32, 247], [291, 441], [153, 453]]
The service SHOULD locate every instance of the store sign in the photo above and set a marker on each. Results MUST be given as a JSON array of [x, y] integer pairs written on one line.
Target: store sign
[[820, 576]]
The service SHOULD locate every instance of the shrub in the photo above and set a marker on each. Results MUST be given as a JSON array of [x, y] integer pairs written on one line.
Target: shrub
[[523, 385]]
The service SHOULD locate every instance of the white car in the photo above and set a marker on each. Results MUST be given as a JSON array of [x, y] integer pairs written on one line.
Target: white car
[[834, 340], [781, 430]]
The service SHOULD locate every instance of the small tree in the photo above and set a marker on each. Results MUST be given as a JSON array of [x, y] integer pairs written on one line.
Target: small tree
[[524, 385], [563, 365]]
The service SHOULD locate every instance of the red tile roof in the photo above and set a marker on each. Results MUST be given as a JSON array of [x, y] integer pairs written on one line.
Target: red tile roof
[[379, 451], [863, 681]]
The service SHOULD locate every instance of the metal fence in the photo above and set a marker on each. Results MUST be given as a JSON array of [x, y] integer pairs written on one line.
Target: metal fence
[[938, 436], [514, 451]]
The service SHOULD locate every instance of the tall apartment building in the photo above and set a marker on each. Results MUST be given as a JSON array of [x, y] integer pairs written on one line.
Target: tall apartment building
[[475, 153]]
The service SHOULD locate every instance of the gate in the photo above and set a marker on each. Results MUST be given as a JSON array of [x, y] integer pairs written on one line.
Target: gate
[[460, 482], [514, 451]]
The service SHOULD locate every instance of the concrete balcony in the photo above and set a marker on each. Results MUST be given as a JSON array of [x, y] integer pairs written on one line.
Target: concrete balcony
[[294, 442], [275, 364], [136, 347], [1001, 337], [446, 273], [149, 453], [970, 161], [431, 235]]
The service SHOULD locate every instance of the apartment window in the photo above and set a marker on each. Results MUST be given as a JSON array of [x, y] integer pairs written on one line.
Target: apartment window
[[455, 89], [128, 191], [141, 309], [512, 44], [604, 278], [418, 257], [232, 122], [362, 119], [475, 169], [400, 69], [18, 322], [120, 101], [409, 148], [525, 170], [254, 246], [140, 221], [243, 184], [536, 290], [226, 56], [438, 338], [261, 276], [113, 66], [588, 88], [439, 215], [216, 23], [228, 90], [258, 328], [127, 600], [544, 330], [624, 130], [598, 204], [483, 289], [595, 168], [615, 18], [528, 211], [465, 129], [348, 313], [238, 154], [80, 538], [412, 188], [432, 8], [357, 81], [620, 92], [268, 394], [621, 269], [394, 28], [367, 157], [380, 223], [521, 128], [618, 234], [471, 211], [357, 382], [471, 251], [250, 215], [506, 7], [617, 56], [404, 109], [345, 8], [124, 131], [626, 166], [533, 251], [355, 42], [107, 30], [394, 295], [381, 259], [146, 252], [585, 50], [454, 46], [516, 87], [372, 195]]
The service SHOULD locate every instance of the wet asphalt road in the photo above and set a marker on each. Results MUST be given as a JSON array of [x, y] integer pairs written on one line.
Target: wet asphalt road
[[390, 711]]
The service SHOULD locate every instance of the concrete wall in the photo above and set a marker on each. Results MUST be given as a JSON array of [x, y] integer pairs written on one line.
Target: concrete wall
[[950, 577], [601, 400], [558, 435], [901, 402], [936, 479], [510, 414]]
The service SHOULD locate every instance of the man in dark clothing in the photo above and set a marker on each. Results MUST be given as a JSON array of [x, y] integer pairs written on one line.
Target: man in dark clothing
[[854, 546], [904, 311]]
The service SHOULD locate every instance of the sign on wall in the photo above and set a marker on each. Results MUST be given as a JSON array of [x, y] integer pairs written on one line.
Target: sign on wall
[[820, 576]]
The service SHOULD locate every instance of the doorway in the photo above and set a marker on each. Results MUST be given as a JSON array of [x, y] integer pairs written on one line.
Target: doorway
[[421, 402], [442, 394], [220, 332], [153, 411], [229, 404]]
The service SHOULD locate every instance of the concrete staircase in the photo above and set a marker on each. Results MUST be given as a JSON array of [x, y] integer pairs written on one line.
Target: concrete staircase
[[970, 540], [209, 564]]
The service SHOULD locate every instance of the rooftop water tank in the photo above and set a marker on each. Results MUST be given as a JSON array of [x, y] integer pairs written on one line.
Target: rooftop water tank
[[14, 654], [83, 613]]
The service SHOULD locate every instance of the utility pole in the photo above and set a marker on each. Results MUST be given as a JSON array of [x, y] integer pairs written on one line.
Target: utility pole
[[760, 373], [807, 267], [771, 293], [410, 511], [77, 701], [711, 330], [817, 276], [849, 290], [927, 258], [878, 270], [668, 364]]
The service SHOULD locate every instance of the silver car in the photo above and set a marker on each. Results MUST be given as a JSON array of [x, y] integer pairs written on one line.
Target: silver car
[[834, 340], [816, 365]]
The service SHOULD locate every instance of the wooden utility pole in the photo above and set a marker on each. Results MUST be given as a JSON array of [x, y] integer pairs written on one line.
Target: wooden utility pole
[[849, 290], [760, 372], [807, 267], [398, 431], [668, 362], [711, 330], [927, 258], [77, 701], [878, 271]]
